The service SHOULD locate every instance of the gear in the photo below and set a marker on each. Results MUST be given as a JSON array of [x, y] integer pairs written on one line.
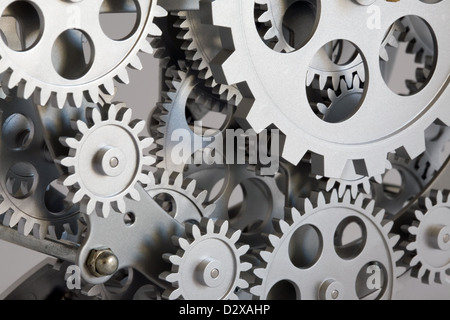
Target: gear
[[428, 247], [29, 197], [197, 38], [106, 160], [208, 264], [170, 115], [96, 57], [309, 257], [179, 197], [332, 145]]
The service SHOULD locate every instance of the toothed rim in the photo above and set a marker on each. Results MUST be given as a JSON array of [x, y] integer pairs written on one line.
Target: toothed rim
[[117, 117], [309, 207], [181, 82], [165, 182], [199, 61], [416, 245], [208, 230], [58, 95]]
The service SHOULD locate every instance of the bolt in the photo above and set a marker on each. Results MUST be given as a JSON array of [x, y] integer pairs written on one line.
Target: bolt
[[215, 273], [335, 294], [114, 162], [102, 262], [446, 238]]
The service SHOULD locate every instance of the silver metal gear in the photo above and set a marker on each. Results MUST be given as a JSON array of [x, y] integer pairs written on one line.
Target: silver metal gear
[[77, 24], [106, 160], [185, 202], [428, 246], [29, 197], [308, 258], [198, 37], [170, 116], [245, 61], [208, 264]]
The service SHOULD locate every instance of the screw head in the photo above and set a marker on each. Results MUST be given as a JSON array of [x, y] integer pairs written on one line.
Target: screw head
[[102, 262]]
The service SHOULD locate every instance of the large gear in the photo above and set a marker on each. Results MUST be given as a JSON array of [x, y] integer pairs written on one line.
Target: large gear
[[208, 264], [244, 60], [308, 257], [428, 246], [52, 39], [109, 149]]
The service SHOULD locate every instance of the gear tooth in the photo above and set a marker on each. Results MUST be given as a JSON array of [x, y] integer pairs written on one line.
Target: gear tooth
[[135, 63], [423, 274], [138, 126], [321, 199], [134, 194], [13, 80], [414, 261], [412, 246], [75, 197], [241, 283], [122, 76], [193, 231], [120, 206], [322, 82], [235, 236], [242, 250], [265, 256], [112, 111], [256, 290], [379, 216], [413, 231], [419, 215], [81, 126], [428, 204], [94, 115], [103, 209], [170, 277], [70, 180], [370, 208], [223, 227], [25, 226], [13, 219], [183, 243], [27, 90]]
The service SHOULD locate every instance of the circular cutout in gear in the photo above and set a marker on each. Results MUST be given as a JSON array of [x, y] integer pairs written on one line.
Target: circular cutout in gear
[[331, 274]]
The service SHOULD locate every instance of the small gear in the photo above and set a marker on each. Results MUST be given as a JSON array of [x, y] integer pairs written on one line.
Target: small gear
[[341, 105], [309, 257], [186, 93], [179, 197], [71, 27], [323, 65], [29, 197], [428, 246], [106, 160], [198, 38], [208, 264]]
